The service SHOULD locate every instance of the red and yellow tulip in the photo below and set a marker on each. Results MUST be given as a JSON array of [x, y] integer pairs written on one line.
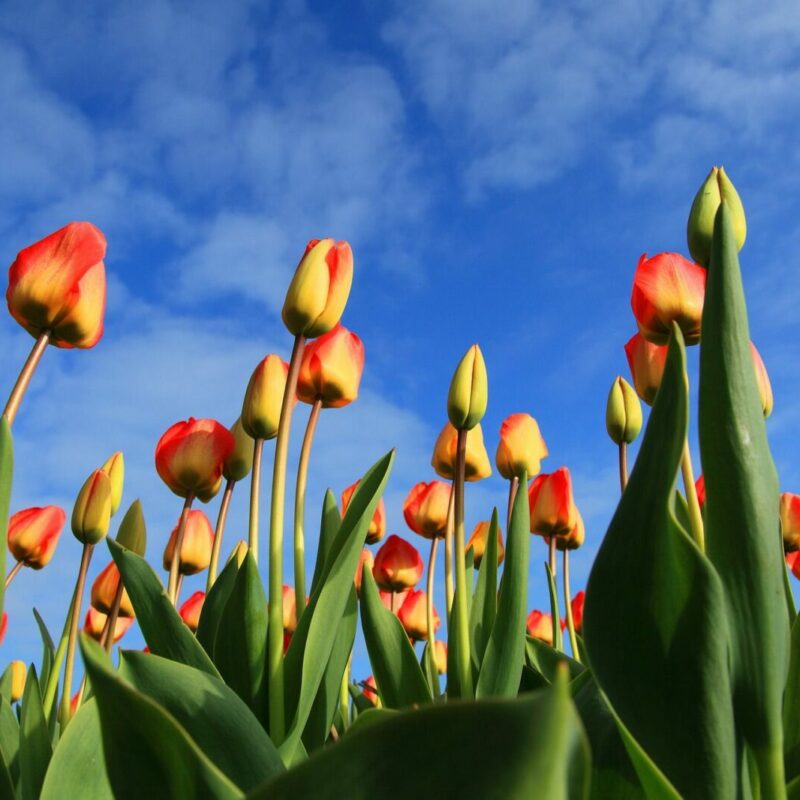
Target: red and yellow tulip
[[477, 462], [198, 541], [425, 509], [377, 526], [331, 369], [552, 506], [477, 543], [398, 565], [104, 590], [412, 615], [190, 610], [540, 626], [646, 361], [521, 447], [33, 534]]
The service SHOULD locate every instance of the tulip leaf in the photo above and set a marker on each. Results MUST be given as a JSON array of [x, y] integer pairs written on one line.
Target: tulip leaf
[[34, 739], [7, 791], [655, 620], [214, 606], [741, 508], [505, 653], [546, 660], [397, 672], [148, 753], [48, 649], [484, 602], [163, 629], [536, 748], [314, 639], [6, 478], [791, 709], [454, 644], [9, 738], [555, 613], [218, 721], [329, 526]]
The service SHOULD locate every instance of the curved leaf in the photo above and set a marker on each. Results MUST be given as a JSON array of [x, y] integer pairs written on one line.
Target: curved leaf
[[9, 739], [483, 611], [6, 478], [329, 526], [34, 739], [214, 606], [546, 660]]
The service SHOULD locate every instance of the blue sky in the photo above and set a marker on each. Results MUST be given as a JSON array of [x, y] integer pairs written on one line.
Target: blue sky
[[498, 171]]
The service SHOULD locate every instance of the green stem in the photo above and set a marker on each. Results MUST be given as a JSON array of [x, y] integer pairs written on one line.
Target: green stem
[[344, 695], [13, 573], [24, 378], [49, 698], [558, 641], [623, 466], [573, 639], [255, 493], [771, 772], [220, 529], [513, 486], [695, 514], [461, 610], [174, 567], [448, 557], [430, 649]]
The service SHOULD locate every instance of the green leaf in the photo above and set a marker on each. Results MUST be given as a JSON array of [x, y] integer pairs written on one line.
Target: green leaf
[[9, 739], [791, 709], [655, 618], [213, 715], [484, 602], [546, 660], [505, 654], [214, 606], [34, 739], [162, 627], [555, 613], [741, 509], [329, 526], [397, 672], [148, 754], [7, 677], [6, 477], [454, 638], [48, 649]]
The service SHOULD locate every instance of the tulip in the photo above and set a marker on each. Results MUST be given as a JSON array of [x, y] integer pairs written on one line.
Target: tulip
[[440, 656], [319, 289], [763, 382], [287, 640], [392, 601], [190, 457], [261, 409], [365, 561], [577, 610], [623, 412], [553, 510], [540, 626], [790, 521], [19, 673], [370, 690], [398, 565], [793, 562], [331, 369], [33, 535], [646, 361], [521, 447], [477, 543], [115, 469], [700, 228], [426, 509], [477, 464], [412, 615], [198, 541], [668, 288], [95, 623], [377, 526], [239, 462], [573, 540], [91, 513], [190, 610], [3, 626], [700, 490], [289, 610], [104, 591], [469, 391]]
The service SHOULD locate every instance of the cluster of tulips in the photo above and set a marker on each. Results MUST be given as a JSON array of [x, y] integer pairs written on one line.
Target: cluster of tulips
[[676, 673]]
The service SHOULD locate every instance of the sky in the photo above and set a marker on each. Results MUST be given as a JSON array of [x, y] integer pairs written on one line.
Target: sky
[[498, 171]]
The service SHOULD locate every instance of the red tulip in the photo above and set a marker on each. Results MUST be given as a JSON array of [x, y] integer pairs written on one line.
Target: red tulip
[[331, 368], [95, 622], [3, 626], [393, 601], [365, 561], [198, 541], [700, 489], [104, 590], [793, 562], [377, 526], [478, 540], [191, 608], [370, 690], [646, 361], [413, 616], [398, 565], [426, 508], [540, 626], [790, 521], [552, 507], [33, 534], [577, 611], [572, 540], [521, 447], [763, 382]]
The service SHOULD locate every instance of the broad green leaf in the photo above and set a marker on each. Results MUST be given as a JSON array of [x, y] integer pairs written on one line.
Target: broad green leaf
[[6, 477], [791, 709], [453, 637], [48, 650], [7, 791], [791, 608], [793, 789], [210, 712], [214, 606], [6, 678], [655, 618], [9, 739], [370, 716], [148, 754], [360, 701], [546, 660], [162, 627], [397, 672], [329, 526], [741, 509], [34, 739], [505, 653], [483, 611]]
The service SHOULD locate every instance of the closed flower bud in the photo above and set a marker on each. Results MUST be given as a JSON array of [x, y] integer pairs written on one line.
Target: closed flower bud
[[91, 513], [552, 507], [392, 601], [477, 543], [240, 461], [58, 284], [377, 527], [623, 412], [668, 288], [700, 229], [477, 465], [190, 456], [289, 610], [440, 656], [33, 534], [572, 540], [19, 673], [115, 469], [239, 553], [413, 616], [540, 626], [521, 447], [763, 382], [398, 565], [132, 533], [198, 540], [426, 509], [190, 610], [331, 369], [95, 622], [365, 561], [790, 521], [261, 409], [104, 590], [319, 289], [646, 361], [469, 391]]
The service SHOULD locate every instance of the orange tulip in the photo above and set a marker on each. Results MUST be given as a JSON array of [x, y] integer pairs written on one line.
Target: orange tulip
[[261, 408], [540, 626], [104, 590], [289, 610], [477, 459], [790, 521], [425, 508], [19, 673], [763, 382], [95, 622], [377, 527], [576, 605], [573, 540], [477, 542], [370, 690], [198, 541], [440, 656], [393, 601], [646, 361], [58, 284], [398, 565], [190, 457], [521, 447], [413, 616], [191, 608], [668, 288], [553, 510], [331, 368], [366, 561], [793, 562], [33, 534]]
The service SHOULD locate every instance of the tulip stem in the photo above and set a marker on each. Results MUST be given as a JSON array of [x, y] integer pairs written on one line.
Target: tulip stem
[[13, 573], [220, 529], [695, 514], [107, 637], [300, 510], [255, 491], [573, 639], [51, 688], [77, 599], [460, 607], [178, 587], [25, 375], [174, 567], [391, 601], [552, 555], [344, 695], [275, 630], [430, 650], [513, 486], [623, 466], [448, 556]]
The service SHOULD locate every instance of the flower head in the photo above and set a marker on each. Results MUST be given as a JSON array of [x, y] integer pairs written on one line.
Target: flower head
[[426, 507], [33, 534], [477, 465], [521, 447], [198, 541], [377, 526], [331, 368], [398, 565], [552, 506]]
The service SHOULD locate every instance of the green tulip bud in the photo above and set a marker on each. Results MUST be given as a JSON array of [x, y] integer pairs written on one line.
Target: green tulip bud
[[132, 533], [623, 412], [92, 510], [469, 391], [239, 463]]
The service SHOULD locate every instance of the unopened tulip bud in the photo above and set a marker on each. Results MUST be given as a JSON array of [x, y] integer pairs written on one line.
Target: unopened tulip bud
[[646, 361], [240, 461], [426, 509], [115, 469], [331, 369], [552, 507], [91, 513], [477, 543], [289, 610], [623, 412], [190, 610], [19, 672], [398, 565], [521, 447], [413, 616], [95, 622], [440, 656], [319, 289], [198, 541], [33, 534], [790, 521], [540, 626], [104, 590], [132, 533], [700, 228], [261, 409], [377, 525], [469, 391], [763, 382], [477, 464], [365, 561]]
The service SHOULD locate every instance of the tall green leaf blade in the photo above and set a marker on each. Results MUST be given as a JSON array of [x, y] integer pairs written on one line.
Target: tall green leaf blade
[[547, 661], [655, 617], [9, 739], [48, 649], [483, 611], [791, 709], [35, 750], [329, 526], [214, 606], [6, 478]]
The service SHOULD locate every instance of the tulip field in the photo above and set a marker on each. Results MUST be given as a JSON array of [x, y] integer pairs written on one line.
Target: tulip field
[[674, 672]]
